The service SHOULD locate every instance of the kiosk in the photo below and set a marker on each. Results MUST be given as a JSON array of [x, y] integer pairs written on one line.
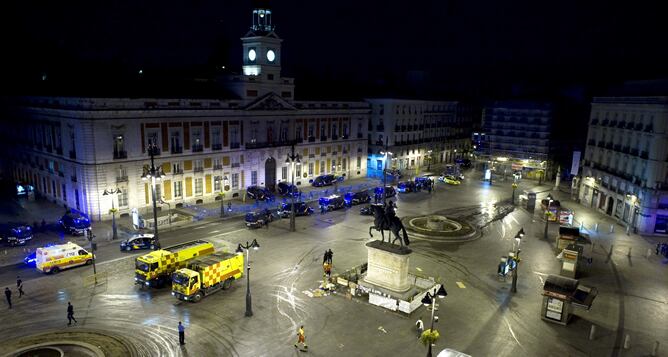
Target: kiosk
[[560, 295]]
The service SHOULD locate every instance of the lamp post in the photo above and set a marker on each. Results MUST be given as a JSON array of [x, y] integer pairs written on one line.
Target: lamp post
[[93, 248], [387, 154], [518, 240], [113, 210], [547, 216], [430, 299], [240, 249], [429, 164], [155, 174], [292, 160]]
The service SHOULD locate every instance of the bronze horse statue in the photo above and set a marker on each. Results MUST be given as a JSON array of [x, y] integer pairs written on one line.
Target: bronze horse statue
[[386, 220]]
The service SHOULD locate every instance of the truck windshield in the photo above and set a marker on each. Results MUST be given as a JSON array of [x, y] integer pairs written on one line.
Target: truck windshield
[[180, 279], [141, 266]]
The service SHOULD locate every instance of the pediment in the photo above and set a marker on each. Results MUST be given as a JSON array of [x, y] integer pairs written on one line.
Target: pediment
[[270, 101]]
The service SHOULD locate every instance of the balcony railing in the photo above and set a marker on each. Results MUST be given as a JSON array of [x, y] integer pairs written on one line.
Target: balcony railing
[[197, 148], [259, 145], [608, 145], [600, 144], [121, 179], [634, 152], [235, 165], [345, 136], [360, 136], [198, 169], [335, 137], [235, 145], [323, 138], [625, 149], [120, 154], [59, 151], [638, 126], [176, 150], [644, 155], [48, 148], [311, 139], [216, 146], [73, 154], [299, 140], [178, 172], [218, 166], [648, 128], [591, 142], [73, 178]]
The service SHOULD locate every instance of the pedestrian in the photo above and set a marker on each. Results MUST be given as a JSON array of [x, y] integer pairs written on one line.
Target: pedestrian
[[8, 295], [182, 334], [327, 267], [21, 293], [325, 256], [18, 281], [330, 255], [229, 206], [301, 338], [322, 209], [657, 248], [419, 325], [70, 314]]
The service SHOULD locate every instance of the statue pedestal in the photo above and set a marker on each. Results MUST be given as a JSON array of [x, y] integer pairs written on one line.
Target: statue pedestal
[[388, 266]]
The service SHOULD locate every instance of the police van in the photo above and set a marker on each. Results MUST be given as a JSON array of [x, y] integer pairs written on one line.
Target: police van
[[58, 257]]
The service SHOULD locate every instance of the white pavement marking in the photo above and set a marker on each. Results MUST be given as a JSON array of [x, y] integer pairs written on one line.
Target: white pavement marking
[[230, 232], [382, 329], [540, 276], [512, 333], [418, 269], [216, 231], [461, 285], [200, 227]]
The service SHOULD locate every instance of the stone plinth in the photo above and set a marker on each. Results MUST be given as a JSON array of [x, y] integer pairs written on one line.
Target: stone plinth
[[436, 223], [388, 266]]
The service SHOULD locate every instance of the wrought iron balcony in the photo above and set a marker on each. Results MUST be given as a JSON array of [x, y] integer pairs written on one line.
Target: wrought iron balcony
[[311, 139], [121, 179], [360, 136], [73, 154], [198, 169], [323, 138], [73, 178], [177, 172], [335, 137], [644, 155], [216, 146], [218, 167], [235, 165], [235, 145], [197, 148], [176, 150], [120, 154], [59, 151]]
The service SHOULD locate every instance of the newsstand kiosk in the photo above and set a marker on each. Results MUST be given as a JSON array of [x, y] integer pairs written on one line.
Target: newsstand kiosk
[[560, 294]]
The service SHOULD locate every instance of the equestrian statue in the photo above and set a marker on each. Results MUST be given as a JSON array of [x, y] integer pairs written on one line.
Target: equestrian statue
[[385, 219]]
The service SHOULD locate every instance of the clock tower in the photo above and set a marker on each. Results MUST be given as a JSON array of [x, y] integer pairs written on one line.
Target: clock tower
[[261, 66]]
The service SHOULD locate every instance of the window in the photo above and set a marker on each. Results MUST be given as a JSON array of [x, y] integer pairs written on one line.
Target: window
[[284, 173], [198, 166], [178, 189], [253, 178], [215, 137], [152, 139], [197, 139], [298, 170], [119, 147], [158, 191], [175, 142], [345, 130], [177, 168], [270, 77], [254, 135], [310, 131], [322, 130], [333, 165], [379, 164], [311, 167], [359, 162], [217, 163], [235, 135], [64, 193], [217, 183], [345, 164], [235, 181], [122, 198], [198, 186]]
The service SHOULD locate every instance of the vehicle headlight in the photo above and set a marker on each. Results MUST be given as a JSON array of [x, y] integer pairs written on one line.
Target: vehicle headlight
[[185, 298], [136, 278], [147, 283], [173, 293]]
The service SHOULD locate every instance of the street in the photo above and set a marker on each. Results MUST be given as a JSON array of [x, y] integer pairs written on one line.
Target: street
[[480, 316]]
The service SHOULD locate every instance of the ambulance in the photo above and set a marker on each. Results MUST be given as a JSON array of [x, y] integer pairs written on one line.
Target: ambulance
[[58, 257], [206, 275]]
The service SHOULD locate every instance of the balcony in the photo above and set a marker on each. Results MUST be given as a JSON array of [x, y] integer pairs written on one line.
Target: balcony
[[605, 122], [197, 148], [120, 154], [608, 145], [299, 140], [621, 125], [644, 155], [216, 146], [397, 128], [311, 139], [634, 152], [323, 138], [617, 147], [380, 128], [236, 165], [629, 125], [121, 179], [638, 126], [218, 167], [594, 122], [311, 156], [360, 136], [59, 151], [323, 154], [176, 150], [61, 174], [73, 155], [258, 145], [177, 172], [403, 128], [335, 137], [648, 128], [73, 178], [235, 145], [48, 148], [625, 149], [345, 137], [198, 169], [600, 144], [591, 142], [613, 123]]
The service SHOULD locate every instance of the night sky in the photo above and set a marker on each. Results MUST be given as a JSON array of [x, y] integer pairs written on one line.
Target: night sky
[[476, 48]]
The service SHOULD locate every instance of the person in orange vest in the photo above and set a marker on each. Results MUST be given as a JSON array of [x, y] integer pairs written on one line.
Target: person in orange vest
[[301, 338]]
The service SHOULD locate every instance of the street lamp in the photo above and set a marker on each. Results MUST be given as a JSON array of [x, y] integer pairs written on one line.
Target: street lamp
[[429, 164], [292, 160], [430, 299], [547, 215], [240, 250], [93, 247], [113, 210], [221, 194], [518, 240], [155, 174]]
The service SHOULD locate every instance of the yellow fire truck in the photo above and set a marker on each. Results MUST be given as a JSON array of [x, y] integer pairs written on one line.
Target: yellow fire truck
[[206, 275], [156, 268], [58, 257]]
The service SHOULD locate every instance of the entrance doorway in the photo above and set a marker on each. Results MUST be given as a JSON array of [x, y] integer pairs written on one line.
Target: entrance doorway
[[270, 174]]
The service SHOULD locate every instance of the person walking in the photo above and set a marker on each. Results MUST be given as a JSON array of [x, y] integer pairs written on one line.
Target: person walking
[[182, 334], [330, 255], [657, 248], [8, 295], [301, 338], [70, 314], [419, 325], [19, 286]]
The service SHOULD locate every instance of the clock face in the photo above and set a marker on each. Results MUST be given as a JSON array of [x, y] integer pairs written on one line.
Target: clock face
[[251, 54], [271, 56]]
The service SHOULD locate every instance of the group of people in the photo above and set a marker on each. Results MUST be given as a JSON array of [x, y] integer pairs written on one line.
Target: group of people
[[327, 263], [662, 248], [19, 288]]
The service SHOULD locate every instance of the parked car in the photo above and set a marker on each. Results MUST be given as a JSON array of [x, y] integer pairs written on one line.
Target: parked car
[[355, 198], [258, 218], [138, 241], [449, 179], [259, 193], [326, 180], [285, 189], [75, 222], [389, 191], [367, 210], [301, 209], [14, 234], [332, 202], [406, 186]]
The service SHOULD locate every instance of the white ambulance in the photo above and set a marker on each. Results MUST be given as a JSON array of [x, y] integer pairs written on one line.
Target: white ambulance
[[58, 257]]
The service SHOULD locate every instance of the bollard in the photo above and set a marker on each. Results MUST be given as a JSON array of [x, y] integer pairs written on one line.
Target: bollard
[[627, 342], [596, 227], [592, 332], [629, 255], [655, 349], [612, 228]]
